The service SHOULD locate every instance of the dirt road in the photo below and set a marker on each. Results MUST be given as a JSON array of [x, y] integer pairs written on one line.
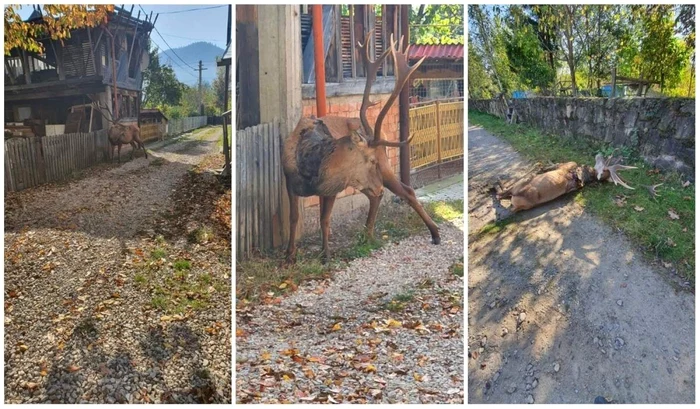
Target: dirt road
[[89, 293], [563, 309]]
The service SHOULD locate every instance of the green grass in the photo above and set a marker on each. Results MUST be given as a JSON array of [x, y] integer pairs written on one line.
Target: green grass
[[158, 254], [180, 265], [458, 268], [672, 241]]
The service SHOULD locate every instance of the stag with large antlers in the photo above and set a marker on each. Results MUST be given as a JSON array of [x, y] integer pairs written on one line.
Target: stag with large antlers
[[335, 152], [121, 134], [559, 180]]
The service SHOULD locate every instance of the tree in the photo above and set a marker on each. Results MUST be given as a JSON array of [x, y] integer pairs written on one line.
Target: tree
[[663, 55], [437, 24], [161, 87], [219, 86], [564, 19], [57, 23], [479, 83], [525, 54]]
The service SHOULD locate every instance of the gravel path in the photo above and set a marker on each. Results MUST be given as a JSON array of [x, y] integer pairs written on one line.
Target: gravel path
[[339, 340], [79, 324], [563, 309]]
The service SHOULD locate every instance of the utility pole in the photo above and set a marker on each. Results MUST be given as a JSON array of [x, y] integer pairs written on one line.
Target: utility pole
[[201, 102]]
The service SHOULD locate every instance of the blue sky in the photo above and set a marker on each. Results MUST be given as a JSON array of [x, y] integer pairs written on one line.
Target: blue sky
[[180, 29]]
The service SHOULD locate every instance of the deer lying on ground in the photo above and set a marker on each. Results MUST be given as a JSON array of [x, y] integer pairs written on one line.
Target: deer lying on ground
[[336, 168], [566, 177], [120, 134]]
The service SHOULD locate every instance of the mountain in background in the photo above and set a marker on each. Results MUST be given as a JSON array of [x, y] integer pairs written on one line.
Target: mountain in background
[[191, 54]]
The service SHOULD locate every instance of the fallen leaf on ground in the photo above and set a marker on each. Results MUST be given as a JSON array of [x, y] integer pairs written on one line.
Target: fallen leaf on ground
[[336, 327], [73, 368], [673, 215], [638, 208]]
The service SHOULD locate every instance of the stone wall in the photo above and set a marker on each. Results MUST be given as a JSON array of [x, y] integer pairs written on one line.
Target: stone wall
[[662, 130]]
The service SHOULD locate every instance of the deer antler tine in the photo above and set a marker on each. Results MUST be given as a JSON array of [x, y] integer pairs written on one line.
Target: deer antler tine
[[616, 178]]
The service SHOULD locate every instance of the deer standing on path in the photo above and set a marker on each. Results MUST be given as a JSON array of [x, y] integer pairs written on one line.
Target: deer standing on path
[[120, 134], [325, 156]]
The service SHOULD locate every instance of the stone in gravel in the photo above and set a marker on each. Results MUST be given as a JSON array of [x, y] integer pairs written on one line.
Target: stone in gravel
[[529, 366], [534, 383], [530, 399], [602, 350], [493, 305], [110, 400], [619, 343], [504, 332], [488, 294], [483, 341], [556, 367], [619, 302], [495, 377], [512, 388], [521, 317]]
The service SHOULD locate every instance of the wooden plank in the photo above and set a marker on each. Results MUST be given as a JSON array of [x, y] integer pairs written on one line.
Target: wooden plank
[[249, 187], [276, 187], [256, 188], [265, 162], [239, 189]]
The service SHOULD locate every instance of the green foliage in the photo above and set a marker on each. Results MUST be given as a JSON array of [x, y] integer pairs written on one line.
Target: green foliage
[[579, 45], [479, 84], [526, 55], [437, 24], [161, 87]]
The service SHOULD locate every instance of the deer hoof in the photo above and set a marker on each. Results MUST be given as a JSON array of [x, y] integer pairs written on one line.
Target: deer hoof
[[436, 240]]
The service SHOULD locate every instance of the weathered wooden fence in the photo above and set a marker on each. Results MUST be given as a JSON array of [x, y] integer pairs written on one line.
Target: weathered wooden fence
[[32, 161], [182, 125], [438, 133], [259, 189], [152, 131]]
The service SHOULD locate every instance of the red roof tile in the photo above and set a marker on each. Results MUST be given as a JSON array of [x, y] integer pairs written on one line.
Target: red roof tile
[[440, 52]]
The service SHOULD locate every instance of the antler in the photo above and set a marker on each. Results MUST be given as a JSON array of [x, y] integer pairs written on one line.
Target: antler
[[601, 167], [402, 72], [371, 68]]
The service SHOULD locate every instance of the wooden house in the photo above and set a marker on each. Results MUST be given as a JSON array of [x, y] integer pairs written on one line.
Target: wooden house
[[52, 92]]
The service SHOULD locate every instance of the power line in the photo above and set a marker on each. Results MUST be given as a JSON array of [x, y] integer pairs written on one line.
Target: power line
[[190, 38], [158, 47], [188, 10], [166, 43]]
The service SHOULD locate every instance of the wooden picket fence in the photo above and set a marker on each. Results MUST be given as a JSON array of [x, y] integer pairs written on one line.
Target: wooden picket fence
[[259, 189], [35, 160], [438, 133], [182, 125]]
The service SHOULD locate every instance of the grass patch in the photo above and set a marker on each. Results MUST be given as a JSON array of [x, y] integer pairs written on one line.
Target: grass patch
[[159, 302], [158, 254], [671, 240], [398, 303], [180, 265], [140, 279], [201, 235], [458, 268]]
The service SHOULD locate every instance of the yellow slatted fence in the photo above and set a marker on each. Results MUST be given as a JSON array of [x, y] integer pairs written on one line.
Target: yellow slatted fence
[[438, 133]]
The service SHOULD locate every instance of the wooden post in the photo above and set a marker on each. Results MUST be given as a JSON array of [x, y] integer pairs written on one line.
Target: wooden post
[[439, 138], [614, 82], [280, 75], [404, 123], [338, 43], [319, 60], [247, 50], [352, 39]]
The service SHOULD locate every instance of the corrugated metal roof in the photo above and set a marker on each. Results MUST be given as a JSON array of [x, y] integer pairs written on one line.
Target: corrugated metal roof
[[439, 52]]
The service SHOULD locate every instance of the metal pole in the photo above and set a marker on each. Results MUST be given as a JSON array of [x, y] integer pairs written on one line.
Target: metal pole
[[319, 60]]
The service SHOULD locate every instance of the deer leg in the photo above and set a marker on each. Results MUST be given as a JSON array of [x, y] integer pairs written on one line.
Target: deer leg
[[291, 256], [134, 146], [326, 210], [374, 202], [144, 149], [406, 193], [119, 152]]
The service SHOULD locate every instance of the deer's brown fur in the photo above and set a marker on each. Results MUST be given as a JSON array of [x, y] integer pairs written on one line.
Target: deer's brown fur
[[120, 134], [339, 155], [564, 178]]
